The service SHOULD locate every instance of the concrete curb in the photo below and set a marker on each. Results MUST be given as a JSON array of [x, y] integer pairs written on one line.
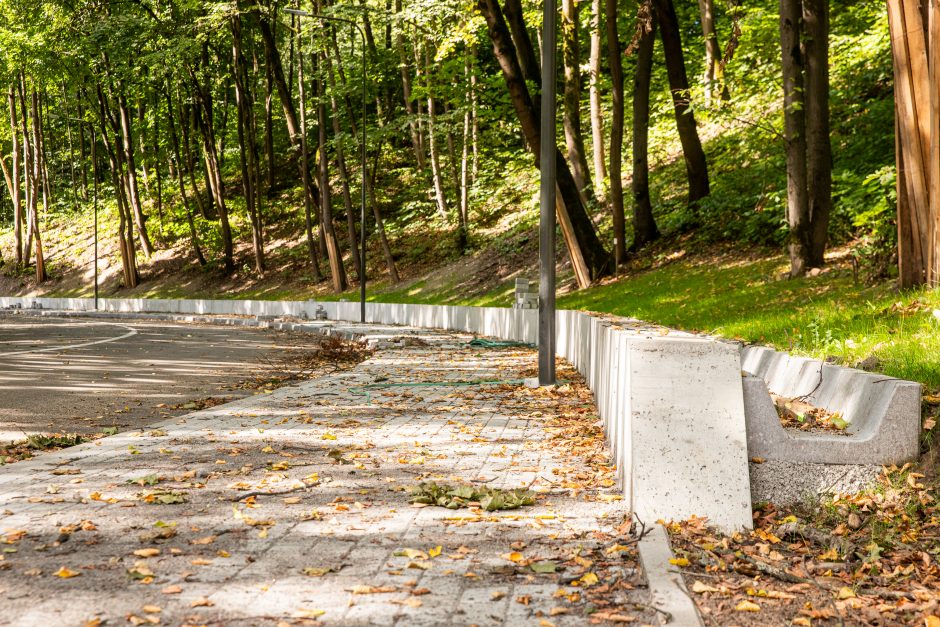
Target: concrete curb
[[668, 593]]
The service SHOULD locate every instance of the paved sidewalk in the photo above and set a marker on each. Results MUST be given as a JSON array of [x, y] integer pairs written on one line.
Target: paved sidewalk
[[293, 507]]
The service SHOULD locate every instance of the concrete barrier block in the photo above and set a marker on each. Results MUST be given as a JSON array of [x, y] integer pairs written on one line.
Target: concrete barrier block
[[883, 413], [689, 438]]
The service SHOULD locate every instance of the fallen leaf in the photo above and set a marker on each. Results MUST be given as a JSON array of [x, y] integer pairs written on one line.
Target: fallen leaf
[[171, 590], [205, 540], [700, 588], [201, 602], [747, 606], [363, 589], [147, 552], [66, 573], [315, 572], [679, 561]]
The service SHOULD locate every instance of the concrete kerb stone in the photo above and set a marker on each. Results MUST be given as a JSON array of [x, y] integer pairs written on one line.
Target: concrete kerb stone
[[689, 447], [668, 593]]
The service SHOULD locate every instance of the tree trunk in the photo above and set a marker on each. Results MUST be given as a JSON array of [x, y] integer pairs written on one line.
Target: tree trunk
[[380, 224], [305, 172], [713, 72], [204, 118], [571, 57], [588, 258], [475, 124], [296, 129], [15, 186], [269, 125], [27, 168], [174, 138], [818, 145], [131, 177], [614, 57], [804, 33], [247, 144], [794, 116], [343, 172], [644, 225], [463, 226], [436, 177], [337, 271], [695, 164], [185, 125], [597, 118], [125, 223], [81, 146], [37, 176]]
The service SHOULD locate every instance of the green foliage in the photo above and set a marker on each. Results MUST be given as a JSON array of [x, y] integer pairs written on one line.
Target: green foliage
[[455, 497]]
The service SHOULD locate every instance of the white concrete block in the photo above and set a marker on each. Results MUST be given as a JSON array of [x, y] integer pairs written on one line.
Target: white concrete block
[[689, 440]]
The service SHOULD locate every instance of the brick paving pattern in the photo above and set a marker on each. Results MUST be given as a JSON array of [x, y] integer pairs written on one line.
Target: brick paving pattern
[[295, 508]]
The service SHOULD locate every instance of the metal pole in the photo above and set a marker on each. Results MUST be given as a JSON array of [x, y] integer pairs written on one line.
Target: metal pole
[[547, 200], [94, 178], [362, 216], [362, 213]]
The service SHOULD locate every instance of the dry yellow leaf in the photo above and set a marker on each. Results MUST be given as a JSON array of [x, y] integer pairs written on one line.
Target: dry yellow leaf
[[171, 590], [747, 606], [435, 551], [147, 552], [588, 579], [66, 573], [931, 621], [292, 500], [679, 561], [515, 556], [200, 561], [305, 613], [846, 592], [201, 602], [700, 588], [152, 609], [205, 540]]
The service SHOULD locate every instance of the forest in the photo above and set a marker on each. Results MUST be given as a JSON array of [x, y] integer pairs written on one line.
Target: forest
[[228, 138]]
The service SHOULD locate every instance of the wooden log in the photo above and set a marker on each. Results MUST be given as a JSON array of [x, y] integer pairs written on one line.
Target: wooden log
[[933, 250], [913, 136]]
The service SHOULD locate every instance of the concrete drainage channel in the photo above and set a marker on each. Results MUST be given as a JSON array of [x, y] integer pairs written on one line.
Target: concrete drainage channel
[[660, 393], [668, 594]]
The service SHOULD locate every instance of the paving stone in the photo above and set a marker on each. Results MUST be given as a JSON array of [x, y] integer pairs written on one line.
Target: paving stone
[[328, 465]]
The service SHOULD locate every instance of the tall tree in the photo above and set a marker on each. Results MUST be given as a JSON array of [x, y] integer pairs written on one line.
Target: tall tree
[[804, 32], [614, 57], [588, 258], [692, 152], [644, 225], [571, 58], [597, 117]]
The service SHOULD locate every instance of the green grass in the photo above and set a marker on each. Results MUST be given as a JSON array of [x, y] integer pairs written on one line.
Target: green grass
[[827, 316]]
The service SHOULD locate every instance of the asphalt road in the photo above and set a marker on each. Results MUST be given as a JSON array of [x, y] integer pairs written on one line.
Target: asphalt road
[[73, 375]]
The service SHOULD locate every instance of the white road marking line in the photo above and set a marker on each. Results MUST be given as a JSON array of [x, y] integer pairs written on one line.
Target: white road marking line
[[131, 332]]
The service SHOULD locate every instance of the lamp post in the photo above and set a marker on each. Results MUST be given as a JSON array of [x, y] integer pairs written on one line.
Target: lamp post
[[362, 215], [547, 200]]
